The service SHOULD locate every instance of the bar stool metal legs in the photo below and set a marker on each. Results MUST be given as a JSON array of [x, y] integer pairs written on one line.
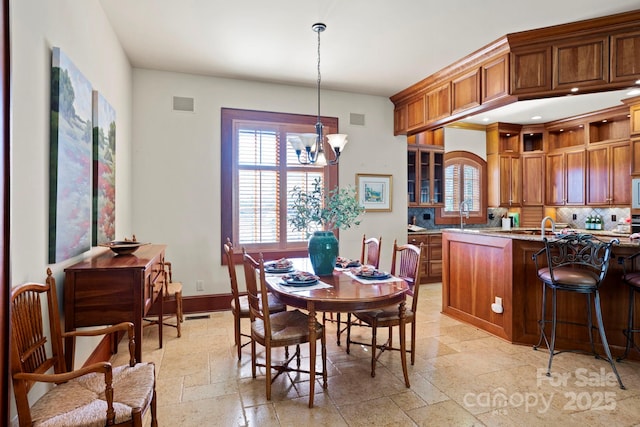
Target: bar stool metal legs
[[630, 323], [551, 345]]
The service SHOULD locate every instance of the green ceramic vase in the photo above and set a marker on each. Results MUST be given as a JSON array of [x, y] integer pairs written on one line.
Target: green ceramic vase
[[323, 252]]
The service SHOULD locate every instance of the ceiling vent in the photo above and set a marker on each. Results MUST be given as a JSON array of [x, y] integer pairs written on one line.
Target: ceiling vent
[[181, 103]]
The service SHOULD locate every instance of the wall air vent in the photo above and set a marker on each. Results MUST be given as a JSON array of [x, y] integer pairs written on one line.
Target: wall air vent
[[356, 119], [181, 103]]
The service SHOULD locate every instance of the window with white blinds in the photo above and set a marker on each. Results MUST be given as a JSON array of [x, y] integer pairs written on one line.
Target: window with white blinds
[[464, 179], [263, 170], [461, 182]]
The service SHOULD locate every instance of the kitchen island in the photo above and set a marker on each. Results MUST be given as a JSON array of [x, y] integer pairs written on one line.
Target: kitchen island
[[480, 265]]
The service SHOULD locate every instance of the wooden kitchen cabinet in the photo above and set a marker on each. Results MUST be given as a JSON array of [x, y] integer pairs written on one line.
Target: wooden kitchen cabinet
[[533, 179], [581, 62], [400, 120], [505, 180], [107, 289], [495, 79], [634, 117], [530, 70], [625, 60], [565, 183], [431, 267], [466, 91], [504, 168], [416, 112], [425, 169], [635, 156], [609, 175]]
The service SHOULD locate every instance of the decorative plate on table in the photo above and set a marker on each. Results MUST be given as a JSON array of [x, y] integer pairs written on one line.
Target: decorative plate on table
[[123, 247], [300, 278], [282, 265], [342, 262], [371, 273]]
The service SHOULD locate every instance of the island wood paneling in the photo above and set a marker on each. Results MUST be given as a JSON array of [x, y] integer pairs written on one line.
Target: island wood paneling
[[474, 274], [479, 266]]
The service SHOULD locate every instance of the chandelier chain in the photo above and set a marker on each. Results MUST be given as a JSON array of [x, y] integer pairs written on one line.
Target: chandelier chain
[[319, 75]]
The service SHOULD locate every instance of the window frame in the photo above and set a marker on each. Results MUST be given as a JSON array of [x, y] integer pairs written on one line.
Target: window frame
[[475, 217], [229, 175]]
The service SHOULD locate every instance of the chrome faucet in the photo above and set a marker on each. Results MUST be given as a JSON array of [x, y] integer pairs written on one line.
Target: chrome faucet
[[464, 213], [544, 221]]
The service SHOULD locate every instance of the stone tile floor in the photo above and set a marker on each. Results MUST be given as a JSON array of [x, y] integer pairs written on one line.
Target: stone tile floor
[[462, 377]]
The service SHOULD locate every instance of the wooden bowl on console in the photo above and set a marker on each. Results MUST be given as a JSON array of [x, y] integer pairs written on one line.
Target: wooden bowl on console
[[123, 247]]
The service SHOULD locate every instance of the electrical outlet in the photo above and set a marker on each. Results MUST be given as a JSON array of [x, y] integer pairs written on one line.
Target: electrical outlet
[[199, 285], [575, 216], [614, 218]]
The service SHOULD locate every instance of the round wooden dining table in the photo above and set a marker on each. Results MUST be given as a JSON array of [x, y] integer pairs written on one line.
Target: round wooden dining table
[[345, 295]]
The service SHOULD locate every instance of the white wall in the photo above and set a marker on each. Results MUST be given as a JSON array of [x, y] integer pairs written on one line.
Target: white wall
[[81, 30], [474, 141], [176, 167]]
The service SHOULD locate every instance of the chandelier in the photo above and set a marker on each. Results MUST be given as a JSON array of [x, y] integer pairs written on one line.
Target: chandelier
[[312, 144]]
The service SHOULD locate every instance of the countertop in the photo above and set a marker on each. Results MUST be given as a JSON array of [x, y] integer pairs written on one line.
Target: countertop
[[427, 231], [533, 234]]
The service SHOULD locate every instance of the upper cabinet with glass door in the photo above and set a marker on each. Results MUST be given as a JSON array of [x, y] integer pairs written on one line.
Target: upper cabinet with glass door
[[425, 158]]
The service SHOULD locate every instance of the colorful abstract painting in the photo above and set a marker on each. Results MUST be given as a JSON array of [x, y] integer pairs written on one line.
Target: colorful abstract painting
[[104, 170], [70, 160]]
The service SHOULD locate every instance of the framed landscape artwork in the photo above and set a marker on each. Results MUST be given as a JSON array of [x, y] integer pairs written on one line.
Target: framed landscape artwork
[[104, 170], [70, 160], [374, 192]]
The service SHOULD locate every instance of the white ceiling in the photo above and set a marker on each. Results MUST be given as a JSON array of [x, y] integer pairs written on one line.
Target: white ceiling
[[377, 47]]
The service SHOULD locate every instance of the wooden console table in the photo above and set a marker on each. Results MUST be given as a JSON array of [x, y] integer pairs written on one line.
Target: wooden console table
[[107, 289]]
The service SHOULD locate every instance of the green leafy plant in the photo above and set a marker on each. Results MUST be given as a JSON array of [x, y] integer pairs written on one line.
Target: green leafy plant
[[319, 210]]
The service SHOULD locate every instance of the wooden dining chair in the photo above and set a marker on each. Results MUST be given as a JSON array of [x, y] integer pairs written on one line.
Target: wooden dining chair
[[171, 294], [240, 303], [96, 394], [283, 329], [370, 255], [371, 251], [405, 264]]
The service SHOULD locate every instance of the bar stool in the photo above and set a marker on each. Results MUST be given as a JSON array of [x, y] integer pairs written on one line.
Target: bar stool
[[632, 278], [575, 263]]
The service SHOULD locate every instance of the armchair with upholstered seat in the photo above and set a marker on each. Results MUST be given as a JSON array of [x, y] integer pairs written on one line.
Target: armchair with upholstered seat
[[96, 394]]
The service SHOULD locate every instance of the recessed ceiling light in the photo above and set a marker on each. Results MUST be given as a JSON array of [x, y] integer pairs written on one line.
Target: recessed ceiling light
[[536, 117], [633, 92], [561, 130], [486, 119], [638, 82], [604, 121], [574, 89], [508, 134]]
